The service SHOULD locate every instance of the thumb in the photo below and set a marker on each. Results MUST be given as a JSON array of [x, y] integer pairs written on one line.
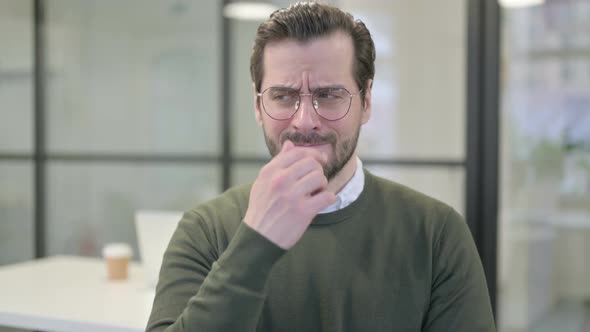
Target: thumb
[[288, 145]]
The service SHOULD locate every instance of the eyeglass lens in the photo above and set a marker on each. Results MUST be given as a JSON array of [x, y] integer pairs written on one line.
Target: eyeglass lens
[[329, 103]]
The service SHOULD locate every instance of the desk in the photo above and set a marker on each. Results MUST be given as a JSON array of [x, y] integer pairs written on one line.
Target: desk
[[72, 294]]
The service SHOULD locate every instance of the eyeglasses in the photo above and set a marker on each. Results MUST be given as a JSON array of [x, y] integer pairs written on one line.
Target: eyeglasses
[[330, 103]]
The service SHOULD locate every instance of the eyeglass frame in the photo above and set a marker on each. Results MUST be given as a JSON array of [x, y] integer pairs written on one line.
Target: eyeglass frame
[[350, 95]]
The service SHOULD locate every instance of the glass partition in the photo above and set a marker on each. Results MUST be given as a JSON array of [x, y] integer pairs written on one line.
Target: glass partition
[[89, 205], [16, 133], [133, 77], [544, 217]]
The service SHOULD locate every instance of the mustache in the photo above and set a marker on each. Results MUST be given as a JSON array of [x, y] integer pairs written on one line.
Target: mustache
[[313, 138]]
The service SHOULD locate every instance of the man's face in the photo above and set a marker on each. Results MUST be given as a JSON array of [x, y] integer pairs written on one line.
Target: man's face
[[320, 63]]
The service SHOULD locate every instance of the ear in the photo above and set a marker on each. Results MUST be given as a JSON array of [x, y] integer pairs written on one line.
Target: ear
[[257, 110], [366, 115]]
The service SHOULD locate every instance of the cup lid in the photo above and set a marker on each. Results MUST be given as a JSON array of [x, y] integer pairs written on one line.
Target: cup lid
[[117, 250]]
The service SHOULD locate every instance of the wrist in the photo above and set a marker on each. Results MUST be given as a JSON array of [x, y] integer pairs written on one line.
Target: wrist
[[249, 258]]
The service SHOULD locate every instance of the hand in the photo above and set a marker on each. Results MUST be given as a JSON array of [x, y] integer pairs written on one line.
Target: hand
[[289, 192]]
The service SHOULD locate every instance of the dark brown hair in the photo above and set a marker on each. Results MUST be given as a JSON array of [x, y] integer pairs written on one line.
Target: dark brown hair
[[304, 21]]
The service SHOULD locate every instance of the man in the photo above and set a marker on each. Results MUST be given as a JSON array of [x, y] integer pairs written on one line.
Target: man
[[317, 243]]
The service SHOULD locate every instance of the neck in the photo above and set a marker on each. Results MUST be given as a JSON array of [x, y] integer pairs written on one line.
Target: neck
[[342, 178]]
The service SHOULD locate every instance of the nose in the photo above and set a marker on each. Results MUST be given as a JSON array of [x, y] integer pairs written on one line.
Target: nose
[[306, 117]]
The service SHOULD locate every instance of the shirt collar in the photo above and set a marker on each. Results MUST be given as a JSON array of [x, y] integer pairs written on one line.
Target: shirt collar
[[351, 191]]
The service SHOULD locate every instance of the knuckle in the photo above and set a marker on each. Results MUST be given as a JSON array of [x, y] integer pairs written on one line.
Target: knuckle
[[278, 181], [264, 171], [315, 160], [318, 173], [323, 179], [307, 163], [312, 162]]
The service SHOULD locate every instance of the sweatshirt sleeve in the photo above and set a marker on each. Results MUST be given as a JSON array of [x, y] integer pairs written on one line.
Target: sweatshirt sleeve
[[198, 292], [459, 299]]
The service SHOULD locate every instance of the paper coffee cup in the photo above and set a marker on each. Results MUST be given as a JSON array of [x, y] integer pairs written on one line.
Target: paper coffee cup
[[117, 256]]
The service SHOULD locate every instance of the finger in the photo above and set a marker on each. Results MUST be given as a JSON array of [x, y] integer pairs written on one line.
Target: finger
[[310, 183], [320, 156], [292, 154], [302, 167], [320, 201], [288, 145]]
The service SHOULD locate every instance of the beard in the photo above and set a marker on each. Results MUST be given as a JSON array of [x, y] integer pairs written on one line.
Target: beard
[[342, 151]]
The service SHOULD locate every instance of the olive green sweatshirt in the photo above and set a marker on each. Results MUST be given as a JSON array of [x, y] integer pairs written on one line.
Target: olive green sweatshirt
[[393, 260]]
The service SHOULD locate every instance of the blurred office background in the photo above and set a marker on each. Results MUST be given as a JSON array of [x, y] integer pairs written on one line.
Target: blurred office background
[[108, 107], [544, 215]]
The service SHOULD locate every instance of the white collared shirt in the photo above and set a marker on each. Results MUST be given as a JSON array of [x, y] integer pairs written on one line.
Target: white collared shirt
[[351, 191]]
